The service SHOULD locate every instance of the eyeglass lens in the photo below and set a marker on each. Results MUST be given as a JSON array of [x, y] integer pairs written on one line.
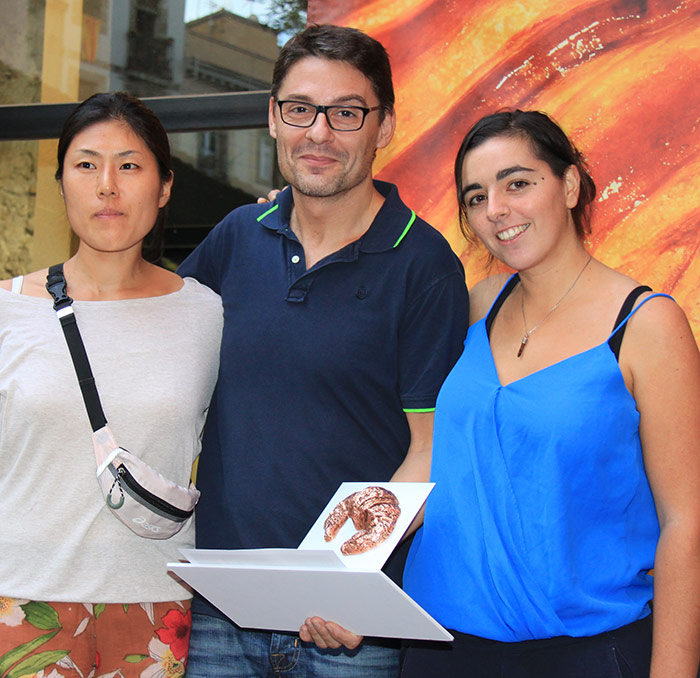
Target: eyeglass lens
[[345, 118]]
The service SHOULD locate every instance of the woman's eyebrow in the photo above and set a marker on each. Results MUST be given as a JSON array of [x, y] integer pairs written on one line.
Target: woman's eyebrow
[[470, 187], [90, 152], [502, 174]]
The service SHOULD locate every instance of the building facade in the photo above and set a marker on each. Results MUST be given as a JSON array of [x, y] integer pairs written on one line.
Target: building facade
[[60, 51]]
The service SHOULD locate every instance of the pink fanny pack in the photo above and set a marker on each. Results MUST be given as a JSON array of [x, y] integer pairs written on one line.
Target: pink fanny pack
[[143, 499], [147, 502]]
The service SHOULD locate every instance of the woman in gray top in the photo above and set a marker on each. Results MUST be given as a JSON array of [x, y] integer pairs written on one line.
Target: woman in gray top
[[82, 595]]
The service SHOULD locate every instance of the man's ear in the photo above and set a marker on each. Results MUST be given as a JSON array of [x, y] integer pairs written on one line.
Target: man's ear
[[271, 122], [386, 129]]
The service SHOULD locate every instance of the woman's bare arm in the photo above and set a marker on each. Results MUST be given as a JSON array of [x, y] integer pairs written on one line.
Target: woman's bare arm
[[663, 358]]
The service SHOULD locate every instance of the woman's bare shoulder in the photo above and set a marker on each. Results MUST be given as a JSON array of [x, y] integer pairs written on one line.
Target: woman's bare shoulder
[[33, 285], [483, 294], [659, 327], [161, 281], [661, 317], [618, 285]]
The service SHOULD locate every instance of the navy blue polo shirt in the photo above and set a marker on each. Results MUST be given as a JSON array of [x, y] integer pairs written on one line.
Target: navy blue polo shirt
[[318, 366]]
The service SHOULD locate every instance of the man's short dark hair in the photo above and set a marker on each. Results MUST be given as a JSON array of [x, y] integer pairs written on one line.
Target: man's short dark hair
[[340, 43]]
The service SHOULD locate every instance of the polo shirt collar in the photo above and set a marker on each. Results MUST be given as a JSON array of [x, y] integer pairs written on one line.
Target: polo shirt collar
[[392, 223], [276, 216]]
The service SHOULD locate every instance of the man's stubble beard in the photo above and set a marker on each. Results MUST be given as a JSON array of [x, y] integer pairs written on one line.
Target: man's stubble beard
[[328, 187]]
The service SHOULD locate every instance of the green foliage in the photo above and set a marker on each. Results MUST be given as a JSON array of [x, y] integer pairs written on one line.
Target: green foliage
[[41, 615], [135, 658], [286, 16], [9, 658], [37, 663]]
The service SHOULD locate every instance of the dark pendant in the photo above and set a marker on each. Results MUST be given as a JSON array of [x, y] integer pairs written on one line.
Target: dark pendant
[[522, 345]]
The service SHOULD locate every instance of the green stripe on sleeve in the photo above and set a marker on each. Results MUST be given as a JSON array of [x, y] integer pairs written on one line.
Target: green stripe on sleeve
[[403, 235], [422, 409], [272, 209]]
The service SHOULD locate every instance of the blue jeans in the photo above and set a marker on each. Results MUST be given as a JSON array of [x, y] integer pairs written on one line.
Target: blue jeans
[[220, 649]]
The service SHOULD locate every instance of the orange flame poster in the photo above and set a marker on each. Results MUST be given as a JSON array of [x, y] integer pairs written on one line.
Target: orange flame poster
[[621, 77]]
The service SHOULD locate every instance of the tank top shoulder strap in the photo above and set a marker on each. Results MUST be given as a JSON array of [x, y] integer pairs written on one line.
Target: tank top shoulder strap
[[502, 296], [627, 310], [17, 284]]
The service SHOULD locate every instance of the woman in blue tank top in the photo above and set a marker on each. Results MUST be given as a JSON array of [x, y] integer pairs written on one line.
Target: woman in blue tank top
[[566, 463]]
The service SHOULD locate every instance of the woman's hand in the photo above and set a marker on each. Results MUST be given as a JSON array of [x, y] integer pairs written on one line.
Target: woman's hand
[[328, 634]]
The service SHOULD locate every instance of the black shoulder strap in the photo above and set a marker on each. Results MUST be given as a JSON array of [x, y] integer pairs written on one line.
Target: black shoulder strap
[[499, 302], [615, 341], [62, 304]]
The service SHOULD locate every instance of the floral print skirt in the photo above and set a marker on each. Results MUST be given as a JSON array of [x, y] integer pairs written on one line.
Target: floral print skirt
[[93, 640]]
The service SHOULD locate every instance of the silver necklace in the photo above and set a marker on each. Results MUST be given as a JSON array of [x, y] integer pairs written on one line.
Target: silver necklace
[[526, 336]]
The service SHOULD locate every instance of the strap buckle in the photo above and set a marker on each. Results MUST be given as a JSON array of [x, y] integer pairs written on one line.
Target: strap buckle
[[56, 287]]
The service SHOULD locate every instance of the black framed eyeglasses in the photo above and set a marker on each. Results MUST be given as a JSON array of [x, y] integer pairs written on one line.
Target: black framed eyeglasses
[[340, 118]]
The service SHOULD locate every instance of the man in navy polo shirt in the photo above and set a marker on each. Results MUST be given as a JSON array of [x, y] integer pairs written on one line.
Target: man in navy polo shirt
[[344, 312]]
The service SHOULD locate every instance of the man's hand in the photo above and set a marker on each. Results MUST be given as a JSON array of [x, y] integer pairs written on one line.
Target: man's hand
[[271, 195], [328, 634]]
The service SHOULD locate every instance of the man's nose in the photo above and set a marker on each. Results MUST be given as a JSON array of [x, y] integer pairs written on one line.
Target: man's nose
[[321, 130]]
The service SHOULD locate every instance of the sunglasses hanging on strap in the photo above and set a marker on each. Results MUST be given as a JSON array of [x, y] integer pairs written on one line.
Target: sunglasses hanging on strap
[[144, 500]]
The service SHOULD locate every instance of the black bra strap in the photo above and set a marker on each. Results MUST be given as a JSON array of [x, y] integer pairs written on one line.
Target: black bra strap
[[56, 286], [615, 341], [499, 302]]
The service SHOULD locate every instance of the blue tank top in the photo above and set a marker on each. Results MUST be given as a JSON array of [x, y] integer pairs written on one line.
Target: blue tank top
[[542, 522]]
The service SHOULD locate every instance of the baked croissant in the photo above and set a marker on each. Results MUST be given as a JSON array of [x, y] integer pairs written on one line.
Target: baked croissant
[[373, 511]]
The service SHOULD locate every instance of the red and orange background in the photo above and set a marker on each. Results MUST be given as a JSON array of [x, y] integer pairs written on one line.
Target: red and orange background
[[621, 77]]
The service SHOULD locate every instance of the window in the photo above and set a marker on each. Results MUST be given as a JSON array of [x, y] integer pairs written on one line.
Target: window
[[60, 51]]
